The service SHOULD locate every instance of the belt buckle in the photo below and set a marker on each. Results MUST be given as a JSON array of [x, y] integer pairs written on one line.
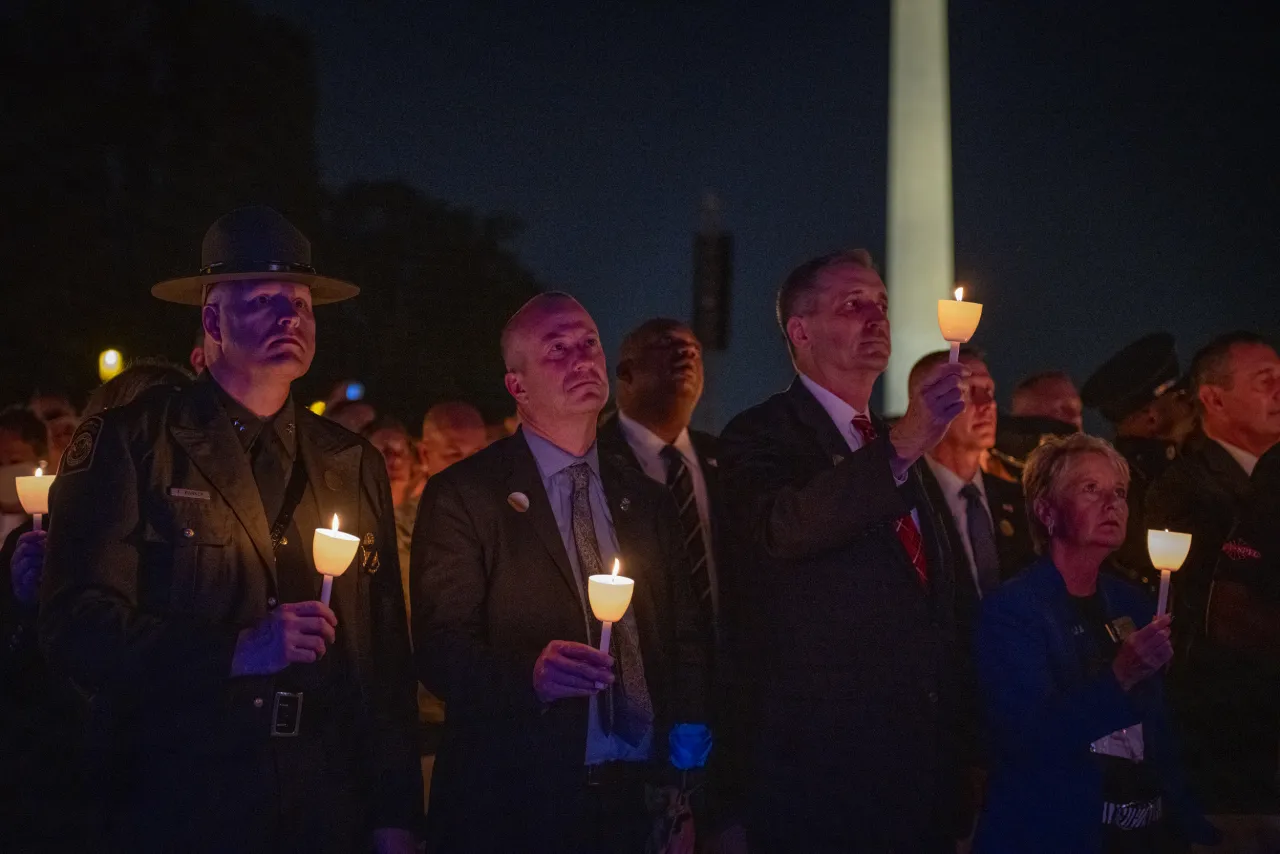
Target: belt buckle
[[286, 714]]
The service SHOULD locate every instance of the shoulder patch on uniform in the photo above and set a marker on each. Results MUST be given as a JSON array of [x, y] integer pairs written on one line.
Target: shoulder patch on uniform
[[79, 454]]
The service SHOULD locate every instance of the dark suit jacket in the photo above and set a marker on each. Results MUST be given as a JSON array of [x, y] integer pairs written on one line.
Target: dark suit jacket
[[159, 554], [1200, 493], [491, 587], [1044, 710], [834, 618], [611, 440], [1009, 523]]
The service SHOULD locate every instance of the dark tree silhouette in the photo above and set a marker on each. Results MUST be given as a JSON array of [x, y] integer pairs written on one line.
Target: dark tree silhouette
[[438, 283], [130, 125]]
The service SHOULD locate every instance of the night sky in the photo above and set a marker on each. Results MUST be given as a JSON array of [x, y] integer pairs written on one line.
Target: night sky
[[1114, 173]]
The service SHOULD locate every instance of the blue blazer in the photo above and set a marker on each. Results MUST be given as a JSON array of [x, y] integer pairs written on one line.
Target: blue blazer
[[1043, 711]]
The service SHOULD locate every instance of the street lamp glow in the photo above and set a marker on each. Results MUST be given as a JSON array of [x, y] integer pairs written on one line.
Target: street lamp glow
[[110, 364]]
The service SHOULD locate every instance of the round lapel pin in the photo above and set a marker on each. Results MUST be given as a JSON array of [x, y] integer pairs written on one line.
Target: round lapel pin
[[518, 501]]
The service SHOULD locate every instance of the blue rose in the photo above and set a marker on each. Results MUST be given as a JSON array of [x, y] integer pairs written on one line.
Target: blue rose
[[690, 745]]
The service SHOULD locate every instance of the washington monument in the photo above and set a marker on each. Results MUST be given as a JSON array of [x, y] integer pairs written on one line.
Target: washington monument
[[920, 263]]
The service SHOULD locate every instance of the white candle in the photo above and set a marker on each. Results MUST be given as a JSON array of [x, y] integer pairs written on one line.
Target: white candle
[[958, 320], [333, 551], [33, 492], [610, 595], [1168, 551]]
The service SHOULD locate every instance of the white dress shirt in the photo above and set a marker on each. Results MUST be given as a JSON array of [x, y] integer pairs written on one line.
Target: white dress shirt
[[648, 450], [1247, 461], [842, 415], [951, 484]]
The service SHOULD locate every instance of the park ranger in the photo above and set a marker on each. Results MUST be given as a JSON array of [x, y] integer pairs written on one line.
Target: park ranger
[[238, 712]]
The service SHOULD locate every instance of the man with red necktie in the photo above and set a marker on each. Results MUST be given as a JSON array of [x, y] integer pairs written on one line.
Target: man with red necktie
[[847, 621]]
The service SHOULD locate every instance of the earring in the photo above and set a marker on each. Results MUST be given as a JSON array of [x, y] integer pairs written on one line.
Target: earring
[[1049, 525]]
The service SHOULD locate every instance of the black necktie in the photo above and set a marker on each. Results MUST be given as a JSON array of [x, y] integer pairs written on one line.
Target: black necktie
[[680, 482], [981, 539], [270, 470]]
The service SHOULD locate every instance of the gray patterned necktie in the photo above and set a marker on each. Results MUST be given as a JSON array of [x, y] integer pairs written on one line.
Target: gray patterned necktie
[[982, 539], [625, 708]]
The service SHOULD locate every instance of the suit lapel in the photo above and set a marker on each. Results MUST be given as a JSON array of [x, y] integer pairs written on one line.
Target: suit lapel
[[523, 477], [610, 440], [624, 522], [812, 415], [203, 430], [950, 529], [1234, 479]]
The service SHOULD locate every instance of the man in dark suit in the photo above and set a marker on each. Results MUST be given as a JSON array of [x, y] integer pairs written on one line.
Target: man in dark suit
[[1244, 624], [549, 742], [1235, 380], [660, 380], [985, 517], [181, 591], [848, 629]]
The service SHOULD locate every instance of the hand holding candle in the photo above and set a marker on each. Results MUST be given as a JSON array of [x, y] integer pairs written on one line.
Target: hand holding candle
[[33, 492], [333, 552], [1168, 550], [958, 320], [610, 595]]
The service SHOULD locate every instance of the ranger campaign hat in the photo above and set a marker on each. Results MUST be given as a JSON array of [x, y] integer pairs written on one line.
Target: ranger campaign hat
[[254, 243], [1018, 435], [1143, 371]]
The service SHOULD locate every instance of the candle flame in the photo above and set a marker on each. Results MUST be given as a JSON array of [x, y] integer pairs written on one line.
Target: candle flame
[[335, 522], [960, 294], [617, 565], [39, 472]]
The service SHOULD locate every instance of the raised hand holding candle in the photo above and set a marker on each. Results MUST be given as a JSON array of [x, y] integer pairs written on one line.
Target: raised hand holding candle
[[610, 595], [333, 551], [33, 492], [1168, 551], [958, 320]]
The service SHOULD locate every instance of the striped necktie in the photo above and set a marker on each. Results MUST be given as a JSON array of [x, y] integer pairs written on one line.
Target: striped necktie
[[680, 482]]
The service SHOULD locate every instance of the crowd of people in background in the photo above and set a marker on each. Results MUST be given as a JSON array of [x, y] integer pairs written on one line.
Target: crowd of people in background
[[849, 633]]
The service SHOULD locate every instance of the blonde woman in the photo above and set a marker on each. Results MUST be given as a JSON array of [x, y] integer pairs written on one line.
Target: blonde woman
[[1070, 660]]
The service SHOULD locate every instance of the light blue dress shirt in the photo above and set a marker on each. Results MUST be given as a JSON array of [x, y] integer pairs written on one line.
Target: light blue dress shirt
[[552, 463]]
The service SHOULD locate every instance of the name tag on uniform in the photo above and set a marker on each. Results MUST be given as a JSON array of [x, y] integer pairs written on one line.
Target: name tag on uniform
[[193, 494]]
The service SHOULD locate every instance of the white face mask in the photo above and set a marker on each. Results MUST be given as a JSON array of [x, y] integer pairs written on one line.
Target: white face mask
[[9, 502]]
